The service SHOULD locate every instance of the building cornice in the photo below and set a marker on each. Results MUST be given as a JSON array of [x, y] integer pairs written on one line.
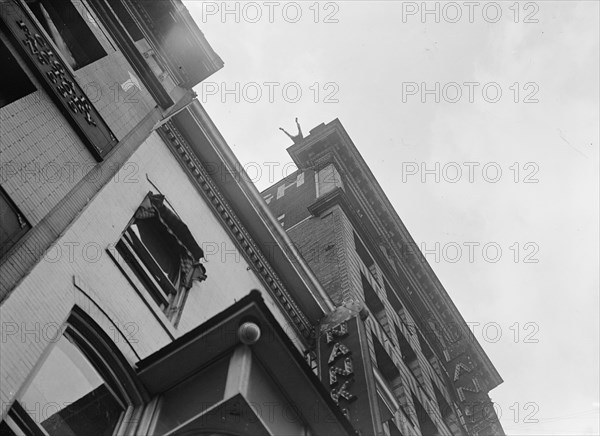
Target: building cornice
[[237, 230], [332, 143], [196, 65]]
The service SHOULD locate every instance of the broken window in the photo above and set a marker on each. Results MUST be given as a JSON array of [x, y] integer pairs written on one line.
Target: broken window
[[163, 254]]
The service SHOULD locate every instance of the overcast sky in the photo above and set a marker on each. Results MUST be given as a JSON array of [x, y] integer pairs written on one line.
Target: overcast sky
[[528, 159]]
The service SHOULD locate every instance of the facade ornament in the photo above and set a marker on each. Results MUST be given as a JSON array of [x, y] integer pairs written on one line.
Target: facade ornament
[[299, 137]]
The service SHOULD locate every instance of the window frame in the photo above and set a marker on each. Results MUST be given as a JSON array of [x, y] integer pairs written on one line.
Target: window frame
[[376, 306], [147, 265], [385, 365], [139, 272], [19, 422], [366, 258], [104, 356], [395, 301], [84, 49], [142, 269]]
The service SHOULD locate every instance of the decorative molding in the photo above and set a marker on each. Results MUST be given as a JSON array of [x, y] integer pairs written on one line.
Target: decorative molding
[[241, 237], [89, 293]]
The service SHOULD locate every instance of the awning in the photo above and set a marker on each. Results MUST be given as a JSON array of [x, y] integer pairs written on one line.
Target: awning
[[173, 224], [175, 249]]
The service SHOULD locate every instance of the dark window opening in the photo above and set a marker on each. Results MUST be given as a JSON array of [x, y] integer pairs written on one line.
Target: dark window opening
[[394, 301], [445, 408], [126, 19], [427, 426], [394, 430], [13, 224], [375, 305], [15, 83], [409, 356], [425, 348], [5, 430], [69, 31], [365, 257], [163, 254], [429, 354], [17, 422], [446, 411], [386, 365]]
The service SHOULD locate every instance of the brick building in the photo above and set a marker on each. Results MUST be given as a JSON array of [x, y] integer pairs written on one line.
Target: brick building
[[395, 353], [146, 287]]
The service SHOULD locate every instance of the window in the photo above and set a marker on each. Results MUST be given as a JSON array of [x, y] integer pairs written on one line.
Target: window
[[126, 19], [409, 356], [5, 429], [450, 417], [68, 30], [425, 423], [81, 387], [394, 431], [386, 365], [375, 305], [395, 301], [425, 348], [429, 354], [15, 84], [68, 395], [385, 410], [445, 408], [162, 253], [365, 257], [13, 224]]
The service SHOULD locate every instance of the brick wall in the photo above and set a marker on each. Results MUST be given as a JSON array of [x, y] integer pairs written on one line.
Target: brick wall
[[42, 156], [327, 243], [323, 243]]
